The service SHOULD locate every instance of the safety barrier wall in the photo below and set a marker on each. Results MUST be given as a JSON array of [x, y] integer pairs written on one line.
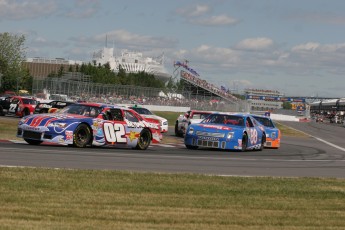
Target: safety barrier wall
[[162, 108], [277, 117], [281, 117]]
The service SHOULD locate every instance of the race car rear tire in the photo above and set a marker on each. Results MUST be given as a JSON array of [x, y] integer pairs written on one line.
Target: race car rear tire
[[144, 140], [192, 147], [82, 136], [2, 111], [177, 132], [263, 140], [244, 142], [32, 142], [26, 112]]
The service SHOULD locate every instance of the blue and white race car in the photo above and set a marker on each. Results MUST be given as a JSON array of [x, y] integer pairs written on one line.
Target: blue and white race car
[[226, 131], [87, 124], [273, 134]]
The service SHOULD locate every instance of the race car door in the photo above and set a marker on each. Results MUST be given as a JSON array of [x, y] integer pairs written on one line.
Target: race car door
[[123, 128]]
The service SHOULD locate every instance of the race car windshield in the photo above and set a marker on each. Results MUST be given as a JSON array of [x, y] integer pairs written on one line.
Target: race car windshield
[[84, 110], [27, 101], [224, 119], [265, 121], [200, 115], [142, 111]]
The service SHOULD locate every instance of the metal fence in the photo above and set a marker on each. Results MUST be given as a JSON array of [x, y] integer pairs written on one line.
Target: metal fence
[[127, 94]]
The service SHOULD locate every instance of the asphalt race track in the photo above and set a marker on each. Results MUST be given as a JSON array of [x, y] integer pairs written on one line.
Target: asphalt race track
[[320, 155]]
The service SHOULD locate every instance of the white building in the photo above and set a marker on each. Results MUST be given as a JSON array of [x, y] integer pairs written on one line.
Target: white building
[[132, 62]]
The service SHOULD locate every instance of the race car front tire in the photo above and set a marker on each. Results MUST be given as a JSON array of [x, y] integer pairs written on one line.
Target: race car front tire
[[192, 147], [263, 140], [177, 132], [144, 140], [244, 142], [32, 142], [82, 136]]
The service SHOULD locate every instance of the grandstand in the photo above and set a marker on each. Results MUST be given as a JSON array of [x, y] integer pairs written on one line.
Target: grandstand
[[196, 88]]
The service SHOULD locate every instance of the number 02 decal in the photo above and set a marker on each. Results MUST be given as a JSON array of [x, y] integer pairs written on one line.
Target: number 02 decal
[[114, 133]]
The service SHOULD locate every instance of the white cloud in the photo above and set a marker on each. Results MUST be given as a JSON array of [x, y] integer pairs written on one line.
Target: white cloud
[[85, 13], [319, 17], [255, 43], [308, 61], [84, 9], [193, 11], [136, 41], [313, 56], [218, 20], [39, 42], [196, 14], [209, 56], [310, 46], [28, 9]]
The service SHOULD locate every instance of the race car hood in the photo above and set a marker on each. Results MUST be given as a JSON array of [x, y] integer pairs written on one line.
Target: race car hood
[[210, 126], [193, 121], [45, 119], [154, 117]]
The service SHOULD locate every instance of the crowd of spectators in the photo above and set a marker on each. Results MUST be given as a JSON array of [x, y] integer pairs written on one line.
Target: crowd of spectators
[[263, 92], [219, 102], [195, 102], [163, 101], [206, 85]]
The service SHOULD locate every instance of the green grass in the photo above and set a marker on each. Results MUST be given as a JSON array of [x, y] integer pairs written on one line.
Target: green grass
[[8, 129], [288, 131], [36, 198], [170, 116]]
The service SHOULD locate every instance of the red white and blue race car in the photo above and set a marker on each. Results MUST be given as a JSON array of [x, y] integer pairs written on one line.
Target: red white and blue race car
[[226, 131], [86, 124]]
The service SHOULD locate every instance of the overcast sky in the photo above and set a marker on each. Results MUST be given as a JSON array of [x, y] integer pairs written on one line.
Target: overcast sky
[[294, 46]]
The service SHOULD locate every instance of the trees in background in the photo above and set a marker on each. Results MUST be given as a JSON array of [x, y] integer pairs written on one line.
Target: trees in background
[[12, 53], [104, 75], [14, 77]]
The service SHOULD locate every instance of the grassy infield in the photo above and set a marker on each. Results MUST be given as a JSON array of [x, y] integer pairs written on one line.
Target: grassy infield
[[37, 198]]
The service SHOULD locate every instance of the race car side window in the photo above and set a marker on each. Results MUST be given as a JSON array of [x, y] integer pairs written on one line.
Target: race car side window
[[107, 115], [15, 101], [116, 115], [255, 122], [249, 122], [130, 116]]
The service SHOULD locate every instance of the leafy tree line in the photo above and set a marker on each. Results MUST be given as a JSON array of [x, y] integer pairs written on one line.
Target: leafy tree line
[[14, 77], [104, 75], [12, 53]]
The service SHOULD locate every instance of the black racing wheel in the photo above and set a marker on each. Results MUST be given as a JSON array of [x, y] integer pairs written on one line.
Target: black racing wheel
[[244, 142], [82, 136], [32, 142], [144, 140]]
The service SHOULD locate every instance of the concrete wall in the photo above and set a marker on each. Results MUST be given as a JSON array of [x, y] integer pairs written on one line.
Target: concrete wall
[[281, 117], [276, 117], [161, 108]]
